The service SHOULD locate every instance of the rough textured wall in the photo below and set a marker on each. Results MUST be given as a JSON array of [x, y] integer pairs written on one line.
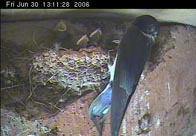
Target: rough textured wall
[[184, 16], [164, 103]]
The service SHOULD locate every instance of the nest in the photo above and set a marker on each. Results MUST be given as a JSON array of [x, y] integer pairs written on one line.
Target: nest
[[80, 71]]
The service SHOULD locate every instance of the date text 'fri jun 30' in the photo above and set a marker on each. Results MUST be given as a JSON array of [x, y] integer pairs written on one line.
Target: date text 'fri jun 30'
[[47, 4]]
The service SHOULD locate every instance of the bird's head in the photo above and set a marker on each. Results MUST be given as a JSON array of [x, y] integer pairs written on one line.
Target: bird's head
[[148, 24]]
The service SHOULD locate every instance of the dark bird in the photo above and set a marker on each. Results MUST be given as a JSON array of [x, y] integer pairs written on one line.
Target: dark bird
[[134, 51], [100, 107]]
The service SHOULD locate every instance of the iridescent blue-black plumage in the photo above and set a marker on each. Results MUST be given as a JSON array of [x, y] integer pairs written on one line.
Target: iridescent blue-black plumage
[[133, 53], [100, 107]]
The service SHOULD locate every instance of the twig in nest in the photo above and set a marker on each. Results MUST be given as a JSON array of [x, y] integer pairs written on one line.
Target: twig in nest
[[31, 52], [31, 88], [46, 105], [52, 76], [9, 87], [40, 103], [68, 89], [36, 44], [55, 106], [34, 40]]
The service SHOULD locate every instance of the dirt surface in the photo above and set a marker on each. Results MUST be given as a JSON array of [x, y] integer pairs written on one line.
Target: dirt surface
[[164, 103]]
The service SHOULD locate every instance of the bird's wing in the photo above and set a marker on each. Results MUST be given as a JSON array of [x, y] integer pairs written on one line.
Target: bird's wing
[[134, 52]]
